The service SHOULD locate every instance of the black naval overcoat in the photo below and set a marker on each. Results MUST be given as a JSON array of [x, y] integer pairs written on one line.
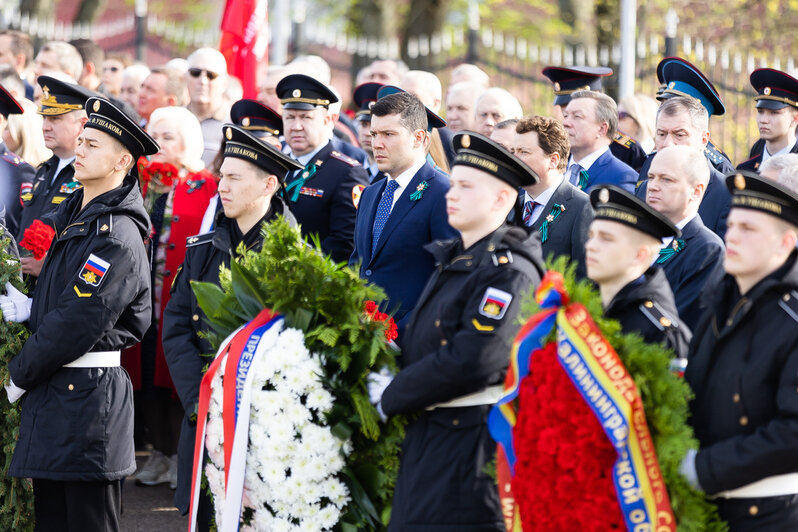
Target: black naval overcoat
[[455, 344], [743, 369], [77, 423]]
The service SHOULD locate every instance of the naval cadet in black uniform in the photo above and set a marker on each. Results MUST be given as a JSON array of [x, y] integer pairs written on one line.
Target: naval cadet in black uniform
[[64, 113], [680, 78], [15, 174], [251, 175], [455, 350], [324, 195], [92, 300], [624, 240], [743, 366], [776, 116], [567, 80]]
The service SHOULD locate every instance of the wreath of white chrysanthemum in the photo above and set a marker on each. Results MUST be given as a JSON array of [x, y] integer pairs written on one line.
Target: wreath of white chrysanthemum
[[293, 459]]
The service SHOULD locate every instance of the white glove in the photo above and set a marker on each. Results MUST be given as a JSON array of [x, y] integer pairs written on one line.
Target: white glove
[[688, 470], [15, 305], [13, 391], [376, 383]]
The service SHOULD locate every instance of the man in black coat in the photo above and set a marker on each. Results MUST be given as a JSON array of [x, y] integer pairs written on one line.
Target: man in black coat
[[456, 348], [624, 239], [92, 300], [776, 116], [251, 174], [559, 211], [324, 196], [685, 121], [677, 180], [743, 366], [64, 113]]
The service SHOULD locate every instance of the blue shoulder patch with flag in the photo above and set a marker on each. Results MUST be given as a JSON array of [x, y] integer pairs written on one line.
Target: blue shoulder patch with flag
[[494, 303]]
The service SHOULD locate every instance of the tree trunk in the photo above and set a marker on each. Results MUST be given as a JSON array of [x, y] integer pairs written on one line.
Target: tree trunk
[[424, 18], [88, 11]]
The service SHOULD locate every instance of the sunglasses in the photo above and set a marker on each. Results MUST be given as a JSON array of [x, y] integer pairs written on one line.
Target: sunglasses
[[197, 72]]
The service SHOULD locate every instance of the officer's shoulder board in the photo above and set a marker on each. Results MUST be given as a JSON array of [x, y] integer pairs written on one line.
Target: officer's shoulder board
[[624, 140], [197, 240], [655, 313], [345, 158], [12, 158], [789, 304], [713, 154]]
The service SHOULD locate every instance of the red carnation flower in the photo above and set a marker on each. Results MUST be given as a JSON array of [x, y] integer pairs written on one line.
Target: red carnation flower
[[37, 239]]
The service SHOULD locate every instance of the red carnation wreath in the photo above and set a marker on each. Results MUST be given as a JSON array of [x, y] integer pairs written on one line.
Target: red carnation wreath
[[158, 174], [37, 239], [570, 446]]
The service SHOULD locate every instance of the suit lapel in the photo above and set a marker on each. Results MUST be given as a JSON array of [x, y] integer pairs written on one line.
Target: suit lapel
[[402, 207], [559, 196]]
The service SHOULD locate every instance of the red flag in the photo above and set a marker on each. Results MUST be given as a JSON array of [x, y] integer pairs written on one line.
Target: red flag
[[244, 40]]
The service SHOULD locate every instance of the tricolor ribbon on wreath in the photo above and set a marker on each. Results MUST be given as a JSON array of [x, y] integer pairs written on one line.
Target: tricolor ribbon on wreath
[[239, 352], [608, 389]]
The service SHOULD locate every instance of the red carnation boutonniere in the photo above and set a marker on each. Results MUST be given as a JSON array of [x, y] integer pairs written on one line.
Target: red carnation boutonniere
[[37, 239], [374, 315]]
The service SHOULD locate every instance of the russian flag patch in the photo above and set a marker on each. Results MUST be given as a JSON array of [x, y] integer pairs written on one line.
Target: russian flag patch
[[94, 270], [494, 303]]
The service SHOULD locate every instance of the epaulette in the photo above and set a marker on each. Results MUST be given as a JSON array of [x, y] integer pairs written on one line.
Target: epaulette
[[789, 304], [713, 154], [105, 224], [500, 257], [656, 315], [624, 140], [196, 240], [345, 158], [12, 158]]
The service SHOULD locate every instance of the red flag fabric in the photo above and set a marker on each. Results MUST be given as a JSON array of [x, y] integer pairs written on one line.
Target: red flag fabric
[[244, 41]]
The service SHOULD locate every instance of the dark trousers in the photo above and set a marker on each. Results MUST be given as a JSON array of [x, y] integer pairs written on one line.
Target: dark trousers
[[76, 506]]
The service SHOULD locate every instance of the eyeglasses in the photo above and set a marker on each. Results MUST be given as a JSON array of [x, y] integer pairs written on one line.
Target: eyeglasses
[[197, 72]]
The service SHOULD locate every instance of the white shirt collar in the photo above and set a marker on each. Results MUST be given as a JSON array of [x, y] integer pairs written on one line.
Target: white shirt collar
[[305, 159], [680, 226], [589, 159], [544, 197], [766, 155], [403, 179]]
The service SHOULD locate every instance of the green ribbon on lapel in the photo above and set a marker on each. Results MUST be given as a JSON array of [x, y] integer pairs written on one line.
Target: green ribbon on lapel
[[583, 177], [555, 212], [415, 196], [295, 186], [669, 251]]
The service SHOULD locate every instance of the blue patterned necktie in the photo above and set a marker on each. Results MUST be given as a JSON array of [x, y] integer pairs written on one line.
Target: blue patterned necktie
[[383, 211], [529, 207], [573, 177]]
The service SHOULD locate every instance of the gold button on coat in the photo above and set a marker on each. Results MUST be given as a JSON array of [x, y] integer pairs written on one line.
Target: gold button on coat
[[71, 387], [195, 317], [753, 510], [744, 421]]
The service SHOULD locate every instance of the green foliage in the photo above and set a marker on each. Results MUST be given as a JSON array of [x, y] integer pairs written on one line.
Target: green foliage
[[326, 301], [665, 400], [16, 495]]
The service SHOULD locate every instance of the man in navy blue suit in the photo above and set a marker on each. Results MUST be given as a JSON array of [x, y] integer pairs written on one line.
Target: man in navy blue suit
[[677, 180], [591, 120], [685, 121], [402, 212]]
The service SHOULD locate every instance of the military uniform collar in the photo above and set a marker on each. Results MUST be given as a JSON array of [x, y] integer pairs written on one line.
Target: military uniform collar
[[305, 159]]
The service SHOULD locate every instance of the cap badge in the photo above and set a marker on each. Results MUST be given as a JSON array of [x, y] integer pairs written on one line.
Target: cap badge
[[297, 93], [245, 121], [228, 133], [672, 84], [371, 104], [45, 93], [556, 86], [465, 141], [739, 182], [604, 195], [96, 106], [766, 92]]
